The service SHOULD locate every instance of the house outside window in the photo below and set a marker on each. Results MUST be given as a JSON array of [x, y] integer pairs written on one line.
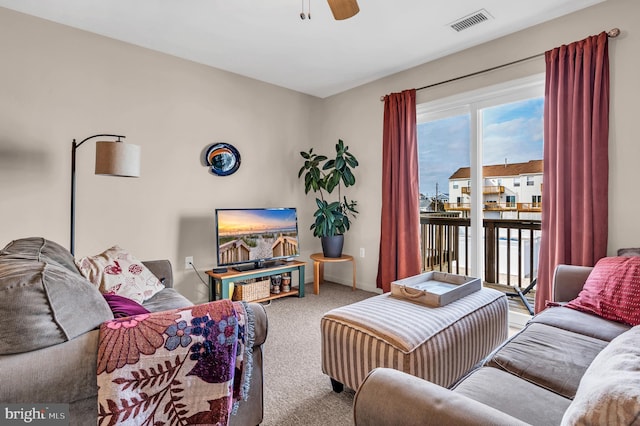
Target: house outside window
[[516, 181]]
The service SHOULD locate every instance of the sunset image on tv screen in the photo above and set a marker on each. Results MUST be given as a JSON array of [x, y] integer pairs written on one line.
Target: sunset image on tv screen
[[255, 234]]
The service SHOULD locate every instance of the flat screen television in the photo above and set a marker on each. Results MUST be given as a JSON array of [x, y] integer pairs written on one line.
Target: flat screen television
[[256, 238]]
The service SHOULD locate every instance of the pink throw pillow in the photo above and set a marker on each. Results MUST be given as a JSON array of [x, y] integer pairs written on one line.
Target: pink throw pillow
[[116, 271], [612, 290]]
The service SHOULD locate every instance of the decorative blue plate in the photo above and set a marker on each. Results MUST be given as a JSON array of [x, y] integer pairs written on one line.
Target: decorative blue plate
[[223, 158]]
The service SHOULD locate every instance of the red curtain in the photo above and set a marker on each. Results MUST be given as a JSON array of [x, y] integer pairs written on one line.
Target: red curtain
[[400, 224], [576, 164]]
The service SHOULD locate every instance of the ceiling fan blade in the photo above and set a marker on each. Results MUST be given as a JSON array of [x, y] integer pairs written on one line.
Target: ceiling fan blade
[[343, 9]]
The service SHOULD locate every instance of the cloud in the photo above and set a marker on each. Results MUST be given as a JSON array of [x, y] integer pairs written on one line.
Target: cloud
[[513, 131], [518, 140]]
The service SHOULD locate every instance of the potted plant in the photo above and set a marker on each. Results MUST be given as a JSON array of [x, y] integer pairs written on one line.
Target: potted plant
[[324, 175]]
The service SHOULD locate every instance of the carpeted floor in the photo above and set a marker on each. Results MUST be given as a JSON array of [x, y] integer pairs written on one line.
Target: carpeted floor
[[296, 392]]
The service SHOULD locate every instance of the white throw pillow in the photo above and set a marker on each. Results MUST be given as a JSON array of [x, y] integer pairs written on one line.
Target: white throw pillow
[[609, 391], [116, 271]]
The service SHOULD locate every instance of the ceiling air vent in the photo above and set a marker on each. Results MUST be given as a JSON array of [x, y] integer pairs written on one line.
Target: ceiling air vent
[[470, 20]]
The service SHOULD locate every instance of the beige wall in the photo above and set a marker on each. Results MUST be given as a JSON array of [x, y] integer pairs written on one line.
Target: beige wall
[[58, 83]]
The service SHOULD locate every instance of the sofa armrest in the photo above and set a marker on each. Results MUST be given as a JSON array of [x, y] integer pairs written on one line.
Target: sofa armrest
[[261, 323], [568, 280], [391, 397], [161, 269]]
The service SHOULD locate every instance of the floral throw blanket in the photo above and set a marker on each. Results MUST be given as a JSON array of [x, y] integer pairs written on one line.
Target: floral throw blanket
[[188, 366]]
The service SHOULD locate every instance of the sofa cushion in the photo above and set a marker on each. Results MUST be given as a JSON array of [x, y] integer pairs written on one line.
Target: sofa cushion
[[580, 322], [609, 391], [612, 290], [60, 373], [631, 251], [166, 299], [44, 304], [549, 357], [514, 396], [116, 271], [41, 250]]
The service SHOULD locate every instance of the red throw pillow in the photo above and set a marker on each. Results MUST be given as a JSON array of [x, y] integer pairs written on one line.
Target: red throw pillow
[[123, 307], [612, 290]]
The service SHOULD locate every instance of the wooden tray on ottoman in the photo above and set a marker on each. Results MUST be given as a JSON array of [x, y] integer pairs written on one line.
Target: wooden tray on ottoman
[[435, 288]]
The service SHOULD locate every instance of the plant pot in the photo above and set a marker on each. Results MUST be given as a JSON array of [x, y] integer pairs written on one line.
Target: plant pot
[[332, 246]]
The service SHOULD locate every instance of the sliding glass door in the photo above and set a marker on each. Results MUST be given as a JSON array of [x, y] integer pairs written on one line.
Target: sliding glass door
[[480, 156]]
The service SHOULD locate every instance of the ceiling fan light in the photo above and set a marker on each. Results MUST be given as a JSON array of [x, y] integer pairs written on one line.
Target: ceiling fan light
[[343, 9]]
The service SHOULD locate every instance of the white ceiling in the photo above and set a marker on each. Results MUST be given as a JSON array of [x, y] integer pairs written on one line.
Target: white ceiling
[[267, 40]]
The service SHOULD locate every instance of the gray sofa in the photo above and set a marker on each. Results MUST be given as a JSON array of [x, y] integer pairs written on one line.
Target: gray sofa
[[564, 367], [55, 311]]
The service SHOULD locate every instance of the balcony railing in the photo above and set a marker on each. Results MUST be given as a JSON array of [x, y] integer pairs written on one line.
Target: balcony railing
[[457, 206], [530, 207], [510, 248], [491, 189], [497, 206]]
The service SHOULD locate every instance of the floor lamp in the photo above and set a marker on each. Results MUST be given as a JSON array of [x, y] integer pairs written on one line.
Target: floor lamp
[[113, 158]]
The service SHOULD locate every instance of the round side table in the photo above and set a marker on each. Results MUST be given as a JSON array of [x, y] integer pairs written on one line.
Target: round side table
[[318, 268]]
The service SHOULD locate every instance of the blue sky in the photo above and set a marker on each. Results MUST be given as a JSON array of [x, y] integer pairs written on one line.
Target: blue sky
[[513, 131]]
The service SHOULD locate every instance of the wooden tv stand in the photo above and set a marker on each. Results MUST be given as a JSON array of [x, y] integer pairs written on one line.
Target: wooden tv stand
[[219, 283]]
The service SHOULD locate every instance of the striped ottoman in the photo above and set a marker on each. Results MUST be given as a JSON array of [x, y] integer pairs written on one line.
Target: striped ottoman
[[436, 344]]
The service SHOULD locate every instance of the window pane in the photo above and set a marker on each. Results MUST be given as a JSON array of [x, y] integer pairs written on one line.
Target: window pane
[[444, 159], [443, 149], [504, 124], [512, 138]]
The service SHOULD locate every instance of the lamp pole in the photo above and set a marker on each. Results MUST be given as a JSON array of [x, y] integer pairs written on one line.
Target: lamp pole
[[74, 146]]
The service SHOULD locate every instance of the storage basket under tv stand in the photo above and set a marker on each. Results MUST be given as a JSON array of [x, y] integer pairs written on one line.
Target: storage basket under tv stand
[[219, 282]]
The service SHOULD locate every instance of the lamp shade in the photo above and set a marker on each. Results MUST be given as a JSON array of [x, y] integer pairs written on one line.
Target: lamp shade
[[117, 159], [343, 9]]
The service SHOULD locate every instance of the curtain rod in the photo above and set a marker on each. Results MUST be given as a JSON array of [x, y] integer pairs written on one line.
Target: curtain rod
[[613, 33]]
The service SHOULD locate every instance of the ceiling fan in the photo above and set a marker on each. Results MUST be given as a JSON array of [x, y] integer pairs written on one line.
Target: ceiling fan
[[341, 9]]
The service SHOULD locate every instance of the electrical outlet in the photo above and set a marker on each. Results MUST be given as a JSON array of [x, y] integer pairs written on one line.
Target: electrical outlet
[[188, 261], [361, 251]]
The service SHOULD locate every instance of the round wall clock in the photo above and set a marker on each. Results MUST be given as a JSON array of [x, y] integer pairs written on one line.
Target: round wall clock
[[223, 158]]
